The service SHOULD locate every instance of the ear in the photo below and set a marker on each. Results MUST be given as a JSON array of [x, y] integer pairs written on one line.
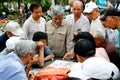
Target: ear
[[9, 34]]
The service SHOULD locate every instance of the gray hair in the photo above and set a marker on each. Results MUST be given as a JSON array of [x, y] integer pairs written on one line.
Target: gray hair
[[57, 10], [25, 46]]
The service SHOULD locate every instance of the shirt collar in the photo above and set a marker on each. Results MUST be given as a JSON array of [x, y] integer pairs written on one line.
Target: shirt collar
[[56, 25]]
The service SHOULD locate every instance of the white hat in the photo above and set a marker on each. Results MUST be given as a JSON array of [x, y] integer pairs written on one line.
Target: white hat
[[89, 7], [97, 68], [14, 28], [3, 13], [11, 42]]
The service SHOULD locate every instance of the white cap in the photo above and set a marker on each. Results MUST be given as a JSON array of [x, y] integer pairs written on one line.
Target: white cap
[[89, 7], [11, 42], [3, 13], [14, 28], [97, 68]]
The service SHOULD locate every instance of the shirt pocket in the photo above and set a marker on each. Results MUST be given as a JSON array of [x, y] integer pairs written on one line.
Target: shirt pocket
[[61, 36]]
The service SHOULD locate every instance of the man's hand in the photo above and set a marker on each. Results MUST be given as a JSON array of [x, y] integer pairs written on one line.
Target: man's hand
[[68, 56], [40, 44]]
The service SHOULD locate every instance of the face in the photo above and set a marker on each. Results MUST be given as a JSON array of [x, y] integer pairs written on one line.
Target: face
[[44, 41], [29, 56], [91, 16], [37, 12], [77, 10], [57, 19], [99, 42], [111, 22]]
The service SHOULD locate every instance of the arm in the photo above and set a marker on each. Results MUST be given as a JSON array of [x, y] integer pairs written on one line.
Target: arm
[[41, 53], [69, 39], [25, 28], [48, 53]]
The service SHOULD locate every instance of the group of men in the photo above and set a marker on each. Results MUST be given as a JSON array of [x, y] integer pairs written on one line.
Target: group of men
[[47, 40]]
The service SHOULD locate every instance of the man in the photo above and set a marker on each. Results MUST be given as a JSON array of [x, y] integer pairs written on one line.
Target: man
[[92, 67], [12, 67], [60, 33], [43, 53], [78, 21], [111, 19], [10, 46], [35, 22], [12, 29], [93, 14]]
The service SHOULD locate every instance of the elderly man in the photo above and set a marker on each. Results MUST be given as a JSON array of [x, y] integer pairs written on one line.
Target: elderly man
[[12, 67], [60, 33], [35, 22], [12, 29], [112, 20], [78, 21], [93, 14]]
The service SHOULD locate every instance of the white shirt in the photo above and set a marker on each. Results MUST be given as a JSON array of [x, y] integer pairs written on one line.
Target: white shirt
[[31, 26], [96, 25], [82, 23]]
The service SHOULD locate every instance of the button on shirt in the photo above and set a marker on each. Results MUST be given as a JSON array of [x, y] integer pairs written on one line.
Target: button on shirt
[[31, 26], [82, 23], [12, 68], [60, 39]]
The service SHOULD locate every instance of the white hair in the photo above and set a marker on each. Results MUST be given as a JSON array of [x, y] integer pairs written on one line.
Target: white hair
[[57, 10], [24, 47]]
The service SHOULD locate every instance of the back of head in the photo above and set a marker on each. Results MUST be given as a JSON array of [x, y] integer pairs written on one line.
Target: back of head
[[11, 42], [84, 35], [25, 46], [57, 10], [14, 28], [34, 5], [84, 48], [39, 36]]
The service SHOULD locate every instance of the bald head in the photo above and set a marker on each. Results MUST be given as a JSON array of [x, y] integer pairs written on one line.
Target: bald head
[[78, 3], [77, 8]]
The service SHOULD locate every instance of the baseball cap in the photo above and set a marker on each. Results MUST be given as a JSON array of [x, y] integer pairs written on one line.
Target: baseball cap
[[97, 68], [89, 7], [111, 12], [14, 28], [11, 42]]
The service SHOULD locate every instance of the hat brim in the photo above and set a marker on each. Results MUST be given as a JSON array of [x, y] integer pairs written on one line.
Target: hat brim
[[18, 32], [103, 18], [87, 11]]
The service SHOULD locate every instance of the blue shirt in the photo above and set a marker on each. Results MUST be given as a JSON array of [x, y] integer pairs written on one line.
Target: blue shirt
[[102, 3], [3, 53], [12, 68], [47, 51], [3, 39]]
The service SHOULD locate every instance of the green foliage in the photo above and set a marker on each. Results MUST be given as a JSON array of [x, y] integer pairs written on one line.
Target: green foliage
[[13, 12], [46, 5]]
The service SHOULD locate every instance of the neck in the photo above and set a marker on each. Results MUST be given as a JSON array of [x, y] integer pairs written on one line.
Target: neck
[[36, 19], [118, 23], [76, 18]]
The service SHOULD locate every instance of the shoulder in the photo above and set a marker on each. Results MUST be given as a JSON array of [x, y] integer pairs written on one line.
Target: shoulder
[[69, 16], [49, 22]]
